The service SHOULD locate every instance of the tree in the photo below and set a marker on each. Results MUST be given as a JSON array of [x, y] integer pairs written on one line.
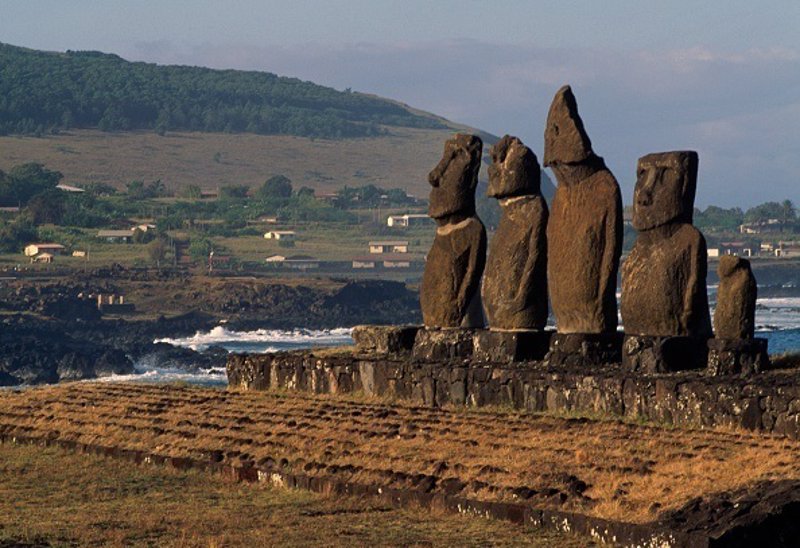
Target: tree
[[764, 212], [305, 192], [192, 191], [233, 191], [277, 186], [789, 215], [47, 207], [26, 181], [157, 251]]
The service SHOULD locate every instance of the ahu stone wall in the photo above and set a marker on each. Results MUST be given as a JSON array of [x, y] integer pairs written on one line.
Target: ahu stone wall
[[768, 402]]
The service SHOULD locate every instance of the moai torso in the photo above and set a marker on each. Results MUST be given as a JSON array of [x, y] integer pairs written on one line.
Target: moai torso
[[735, 314], [664, 284], [449, 293], [664, 277], [584, 233], [515, 283]]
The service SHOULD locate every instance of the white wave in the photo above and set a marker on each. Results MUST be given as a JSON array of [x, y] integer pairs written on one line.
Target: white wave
[[210, 377], [274, 338]]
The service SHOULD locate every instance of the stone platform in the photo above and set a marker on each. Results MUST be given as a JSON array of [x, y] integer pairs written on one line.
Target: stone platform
[[767, 402]]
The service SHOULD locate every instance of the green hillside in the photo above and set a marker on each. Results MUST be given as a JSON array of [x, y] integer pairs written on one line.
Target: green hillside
[[44, 91]]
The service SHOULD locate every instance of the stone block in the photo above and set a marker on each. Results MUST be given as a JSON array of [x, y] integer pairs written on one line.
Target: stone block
[[384, 339], [737, 356], [646, 354], [435, 345], [510, 346], [584, 349]]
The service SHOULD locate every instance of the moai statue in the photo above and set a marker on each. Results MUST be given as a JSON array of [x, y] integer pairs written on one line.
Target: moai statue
[[584, 240], [449, 294], [515, 283], [735, 348], [450, 291], [664, 301]]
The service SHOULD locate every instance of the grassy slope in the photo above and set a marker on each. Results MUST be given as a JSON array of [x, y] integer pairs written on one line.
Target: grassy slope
[[402, 159], [50, 497]]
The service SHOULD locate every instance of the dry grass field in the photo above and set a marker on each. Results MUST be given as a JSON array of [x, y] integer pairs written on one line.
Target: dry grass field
[[49, 497], [608, 469], [401, 159]]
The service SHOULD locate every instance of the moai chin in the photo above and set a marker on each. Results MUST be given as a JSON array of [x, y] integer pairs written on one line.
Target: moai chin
[[664, 302], [735, 349], [584, 233], [449, 294], [515, 283]]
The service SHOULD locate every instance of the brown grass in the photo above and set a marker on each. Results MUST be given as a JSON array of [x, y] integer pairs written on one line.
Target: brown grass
[[50, 497], [401, 159], [631, 471]]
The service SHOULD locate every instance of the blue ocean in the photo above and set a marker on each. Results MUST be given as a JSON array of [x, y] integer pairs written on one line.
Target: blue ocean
[[777, 319]]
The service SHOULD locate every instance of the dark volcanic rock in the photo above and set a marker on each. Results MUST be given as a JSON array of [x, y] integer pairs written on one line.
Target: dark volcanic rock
[[734, 317], [36, 351], [584, 232], [449, 293], [664, 277], [384, 339], [515, 283]]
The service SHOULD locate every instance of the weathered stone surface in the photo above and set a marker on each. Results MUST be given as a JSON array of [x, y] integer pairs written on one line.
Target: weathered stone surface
[[650, 354], [515, 282], [584, 232], [565, 139], [735, 314], [510, 346], [664, 276], [432, 345], [449, 293], [384, 339], [455, 178], [584, 349], [737, 356], [768, 402]]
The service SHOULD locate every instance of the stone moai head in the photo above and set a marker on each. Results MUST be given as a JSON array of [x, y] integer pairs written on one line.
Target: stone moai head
[[455, 177], [565, 140], [665, 189], [514, 170]]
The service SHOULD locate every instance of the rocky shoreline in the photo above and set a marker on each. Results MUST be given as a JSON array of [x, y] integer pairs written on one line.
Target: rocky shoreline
[[52, 331]]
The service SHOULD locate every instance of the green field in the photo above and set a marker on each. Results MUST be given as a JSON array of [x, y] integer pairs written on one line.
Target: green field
[[48, 497]]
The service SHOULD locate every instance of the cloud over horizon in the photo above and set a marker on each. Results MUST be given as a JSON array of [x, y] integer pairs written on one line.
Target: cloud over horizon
[[740, 110]]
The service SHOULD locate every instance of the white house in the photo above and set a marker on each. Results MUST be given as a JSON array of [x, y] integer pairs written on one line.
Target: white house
[[286, 235], [389, 246], [408, 219], [32, 250]]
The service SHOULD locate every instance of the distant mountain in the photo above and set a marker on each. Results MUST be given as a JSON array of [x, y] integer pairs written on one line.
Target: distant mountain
[[41, 91]]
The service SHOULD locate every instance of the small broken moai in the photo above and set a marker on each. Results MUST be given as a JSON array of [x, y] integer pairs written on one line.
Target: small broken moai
[[735, 348], [664, 301], [449, 293], [584, 241], [515, 282]]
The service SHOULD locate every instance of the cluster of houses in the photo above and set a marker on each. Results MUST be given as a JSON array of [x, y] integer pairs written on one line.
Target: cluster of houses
[[383, 254], [779, 248], [46, 252]]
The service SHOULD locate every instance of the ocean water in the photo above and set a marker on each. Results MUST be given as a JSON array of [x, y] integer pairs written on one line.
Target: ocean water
[[777, 319]]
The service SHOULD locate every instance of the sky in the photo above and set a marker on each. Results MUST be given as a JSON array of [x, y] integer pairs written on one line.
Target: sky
[[719, 77]]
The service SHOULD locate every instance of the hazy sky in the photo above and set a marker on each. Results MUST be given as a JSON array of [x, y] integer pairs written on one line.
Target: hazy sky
[[720, 77]]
